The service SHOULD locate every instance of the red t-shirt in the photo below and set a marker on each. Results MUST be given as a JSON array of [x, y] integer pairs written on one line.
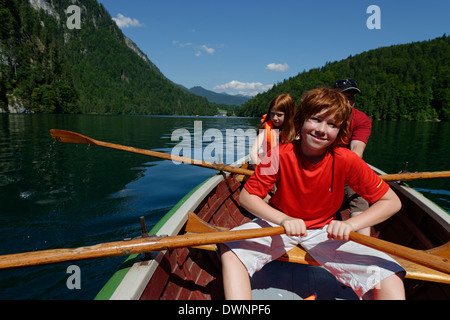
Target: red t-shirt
[[313, 192], [360, 126]]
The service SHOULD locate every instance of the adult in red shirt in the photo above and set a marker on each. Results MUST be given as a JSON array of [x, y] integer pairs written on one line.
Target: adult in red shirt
[[360, 123], [360, 129]]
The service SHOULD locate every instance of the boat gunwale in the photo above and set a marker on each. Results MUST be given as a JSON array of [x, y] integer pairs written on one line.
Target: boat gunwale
[[139, 273], [436, 212], [142, 270]]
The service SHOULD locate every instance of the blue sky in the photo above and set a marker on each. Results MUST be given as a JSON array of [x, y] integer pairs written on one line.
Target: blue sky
[[246, 46]]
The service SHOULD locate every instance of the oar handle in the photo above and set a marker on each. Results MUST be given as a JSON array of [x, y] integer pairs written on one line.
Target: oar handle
[[418, 256], [429, 259]]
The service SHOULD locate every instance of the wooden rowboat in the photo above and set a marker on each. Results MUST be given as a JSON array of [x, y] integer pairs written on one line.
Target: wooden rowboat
[[195, 273]]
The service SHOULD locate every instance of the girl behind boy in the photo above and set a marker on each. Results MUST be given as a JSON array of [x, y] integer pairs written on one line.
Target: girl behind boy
[[280, 117]]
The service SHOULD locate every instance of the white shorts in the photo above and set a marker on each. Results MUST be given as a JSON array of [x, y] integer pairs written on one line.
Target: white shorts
[[353, 264]]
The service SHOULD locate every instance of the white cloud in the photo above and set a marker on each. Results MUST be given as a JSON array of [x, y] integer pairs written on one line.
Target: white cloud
[[208, 50], [200, 49], [245, 88], [277, 67], [181, 45], [126, 22]]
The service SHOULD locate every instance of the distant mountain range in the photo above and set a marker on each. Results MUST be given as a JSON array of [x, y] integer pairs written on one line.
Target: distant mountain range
[[220, 98]]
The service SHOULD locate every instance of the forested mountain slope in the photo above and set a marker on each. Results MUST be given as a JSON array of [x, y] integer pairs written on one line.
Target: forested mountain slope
[[404, 82], [47, 67]]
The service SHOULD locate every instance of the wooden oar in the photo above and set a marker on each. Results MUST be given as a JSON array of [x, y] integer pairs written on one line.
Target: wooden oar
[[142, 245], [127, 247], [415, 176], [432, 261], [73, 137], [418, 256]]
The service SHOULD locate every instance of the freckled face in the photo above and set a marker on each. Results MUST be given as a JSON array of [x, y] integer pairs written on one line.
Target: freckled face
[[318, 132]]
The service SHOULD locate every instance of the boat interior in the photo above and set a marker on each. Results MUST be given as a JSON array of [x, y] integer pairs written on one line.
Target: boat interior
[[191, 273]]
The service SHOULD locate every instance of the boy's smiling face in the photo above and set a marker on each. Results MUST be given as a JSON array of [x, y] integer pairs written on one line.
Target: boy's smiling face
[[318, 132]]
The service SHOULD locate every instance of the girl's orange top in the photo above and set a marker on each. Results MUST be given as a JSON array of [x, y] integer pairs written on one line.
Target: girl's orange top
[[268, 126]]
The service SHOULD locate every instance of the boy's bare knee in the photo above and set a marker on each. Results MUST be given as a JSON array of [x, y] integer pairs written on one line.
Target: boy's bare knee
[[227, 255], [391, 288]]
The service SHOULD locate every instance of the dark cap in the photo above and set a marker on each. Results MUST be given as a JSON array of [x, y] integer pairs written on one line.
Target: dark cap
[[346, 85]]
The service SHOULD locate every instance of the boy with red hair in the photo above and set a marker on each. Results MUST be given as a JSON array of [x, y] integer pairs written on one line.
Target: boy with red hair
[[310, 175]]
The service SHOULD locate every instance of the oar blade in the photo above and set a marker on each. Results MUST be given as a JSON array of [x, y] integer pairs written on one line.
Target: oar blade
[[70, 137], [73, 137]]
